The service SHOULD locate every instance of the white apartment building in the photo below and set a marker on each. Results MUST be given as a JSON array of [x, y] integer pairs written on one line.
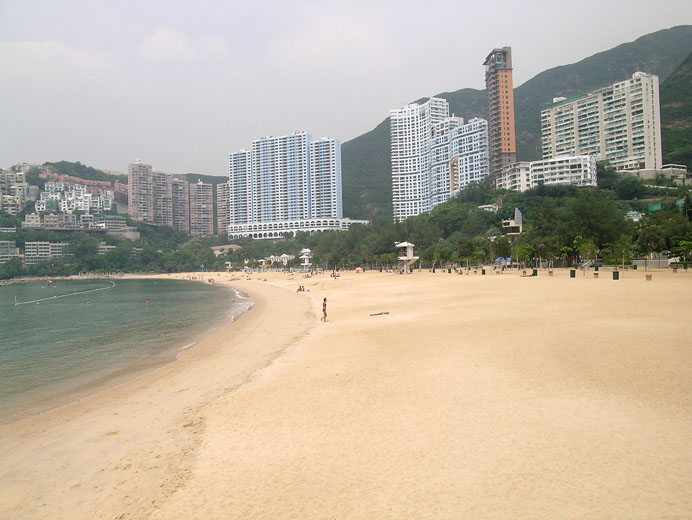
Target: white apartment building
[[325, 179], [433, 156], [87, 221], [57, 197], [70, 221], [32, 221], [411, 144], [620, 123], [285, 184], [239, 182], [112, 222], [53, 221], [579, 170], [35, 252], [280, 178], [460, 156], [8, 250], [58, 249], [54, 186], [13, 191], [515, 177]]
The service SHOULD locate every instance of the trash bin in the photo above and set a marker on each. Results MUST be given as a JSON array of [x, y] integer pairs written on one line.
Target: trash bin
[[482, 271], [595, 268], [616, 275], [449, 271], [572, 273], [535, 272], [634, 267], [433, 270]]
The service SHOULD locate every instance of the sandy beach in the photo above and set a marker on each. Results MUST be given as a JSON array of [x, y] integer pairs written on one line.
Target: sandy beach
[[494, 396]]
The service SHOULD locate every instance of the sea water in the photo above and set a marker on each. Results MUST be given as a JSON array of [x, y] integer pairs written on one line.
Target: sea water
[[75, 337]]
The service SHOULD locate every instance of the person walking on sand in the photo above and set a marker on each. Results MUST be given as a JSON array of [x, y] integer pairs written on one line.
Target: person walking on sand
[[324, 310]]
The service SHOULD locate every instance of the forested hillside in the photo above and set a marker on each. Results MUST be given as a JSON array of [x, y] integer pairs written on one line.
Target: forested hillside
[[676, 116], [77, 169]]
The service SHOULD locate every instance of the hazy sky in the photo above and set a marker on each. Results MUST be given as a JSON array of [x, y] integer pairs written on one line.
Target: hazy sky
[[180, 84]]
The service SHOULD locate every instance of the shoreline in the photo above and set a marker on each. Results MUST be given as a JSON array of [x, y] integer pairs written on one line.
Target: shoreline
[[121, 418], [111, 378], [423, 396]]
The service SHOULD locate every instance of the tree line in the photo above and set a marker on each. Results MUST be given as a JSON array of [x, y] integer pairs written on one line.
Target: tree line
[[562, 223]]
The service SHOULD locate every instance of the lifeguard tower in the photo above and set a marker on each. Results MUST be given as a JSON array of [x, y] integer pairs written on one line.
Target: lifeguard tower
[[518, 222], [306, 257], [408, 260]]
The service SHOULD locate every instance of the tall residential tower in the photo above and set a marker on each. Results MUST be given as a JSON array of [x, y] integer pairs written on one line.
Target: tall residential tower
[[620, 123], [222, 208], [139, 200], [433, 156], [180, 190], [201, 209], [160, 199], [285, 184], [149, 195], [500, 88]]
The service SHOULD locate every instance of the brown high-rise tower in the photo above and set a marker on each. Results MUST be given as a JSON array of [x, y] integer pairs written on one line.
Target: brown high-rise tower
[[501, 134]]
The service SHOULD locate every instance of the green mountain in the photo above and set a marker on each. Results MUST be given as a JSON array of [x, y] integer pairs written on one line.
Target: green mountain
[[366, 159], [209, 179], [676, 115], [365, 183], [77, 169]]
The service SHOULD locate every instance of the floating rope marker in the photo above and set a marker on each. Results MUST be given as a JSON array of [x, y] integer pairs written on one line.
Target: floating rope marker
[[63, 295]]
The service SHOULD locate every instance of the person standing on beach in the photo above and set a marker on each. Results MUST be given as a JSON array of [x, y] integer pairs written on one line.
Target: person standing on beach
[[324, 310]]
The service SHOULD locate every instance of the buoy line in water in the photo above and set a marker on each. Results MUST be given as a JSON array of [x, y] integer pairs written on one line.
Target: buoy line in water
[[63, 295]]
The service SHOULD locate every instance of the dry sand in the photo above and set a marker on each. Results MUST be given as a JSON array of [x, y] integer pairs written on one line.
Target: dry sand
[[475, 397]]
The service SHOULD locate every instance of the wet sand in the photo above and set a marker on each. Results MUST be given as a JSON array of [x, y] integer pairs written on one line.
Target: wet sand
[[476, 397]]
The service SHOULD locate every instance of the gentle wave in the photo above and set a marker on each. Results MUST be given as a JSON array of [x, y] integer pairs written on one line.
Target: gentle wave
[[66, 348]]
